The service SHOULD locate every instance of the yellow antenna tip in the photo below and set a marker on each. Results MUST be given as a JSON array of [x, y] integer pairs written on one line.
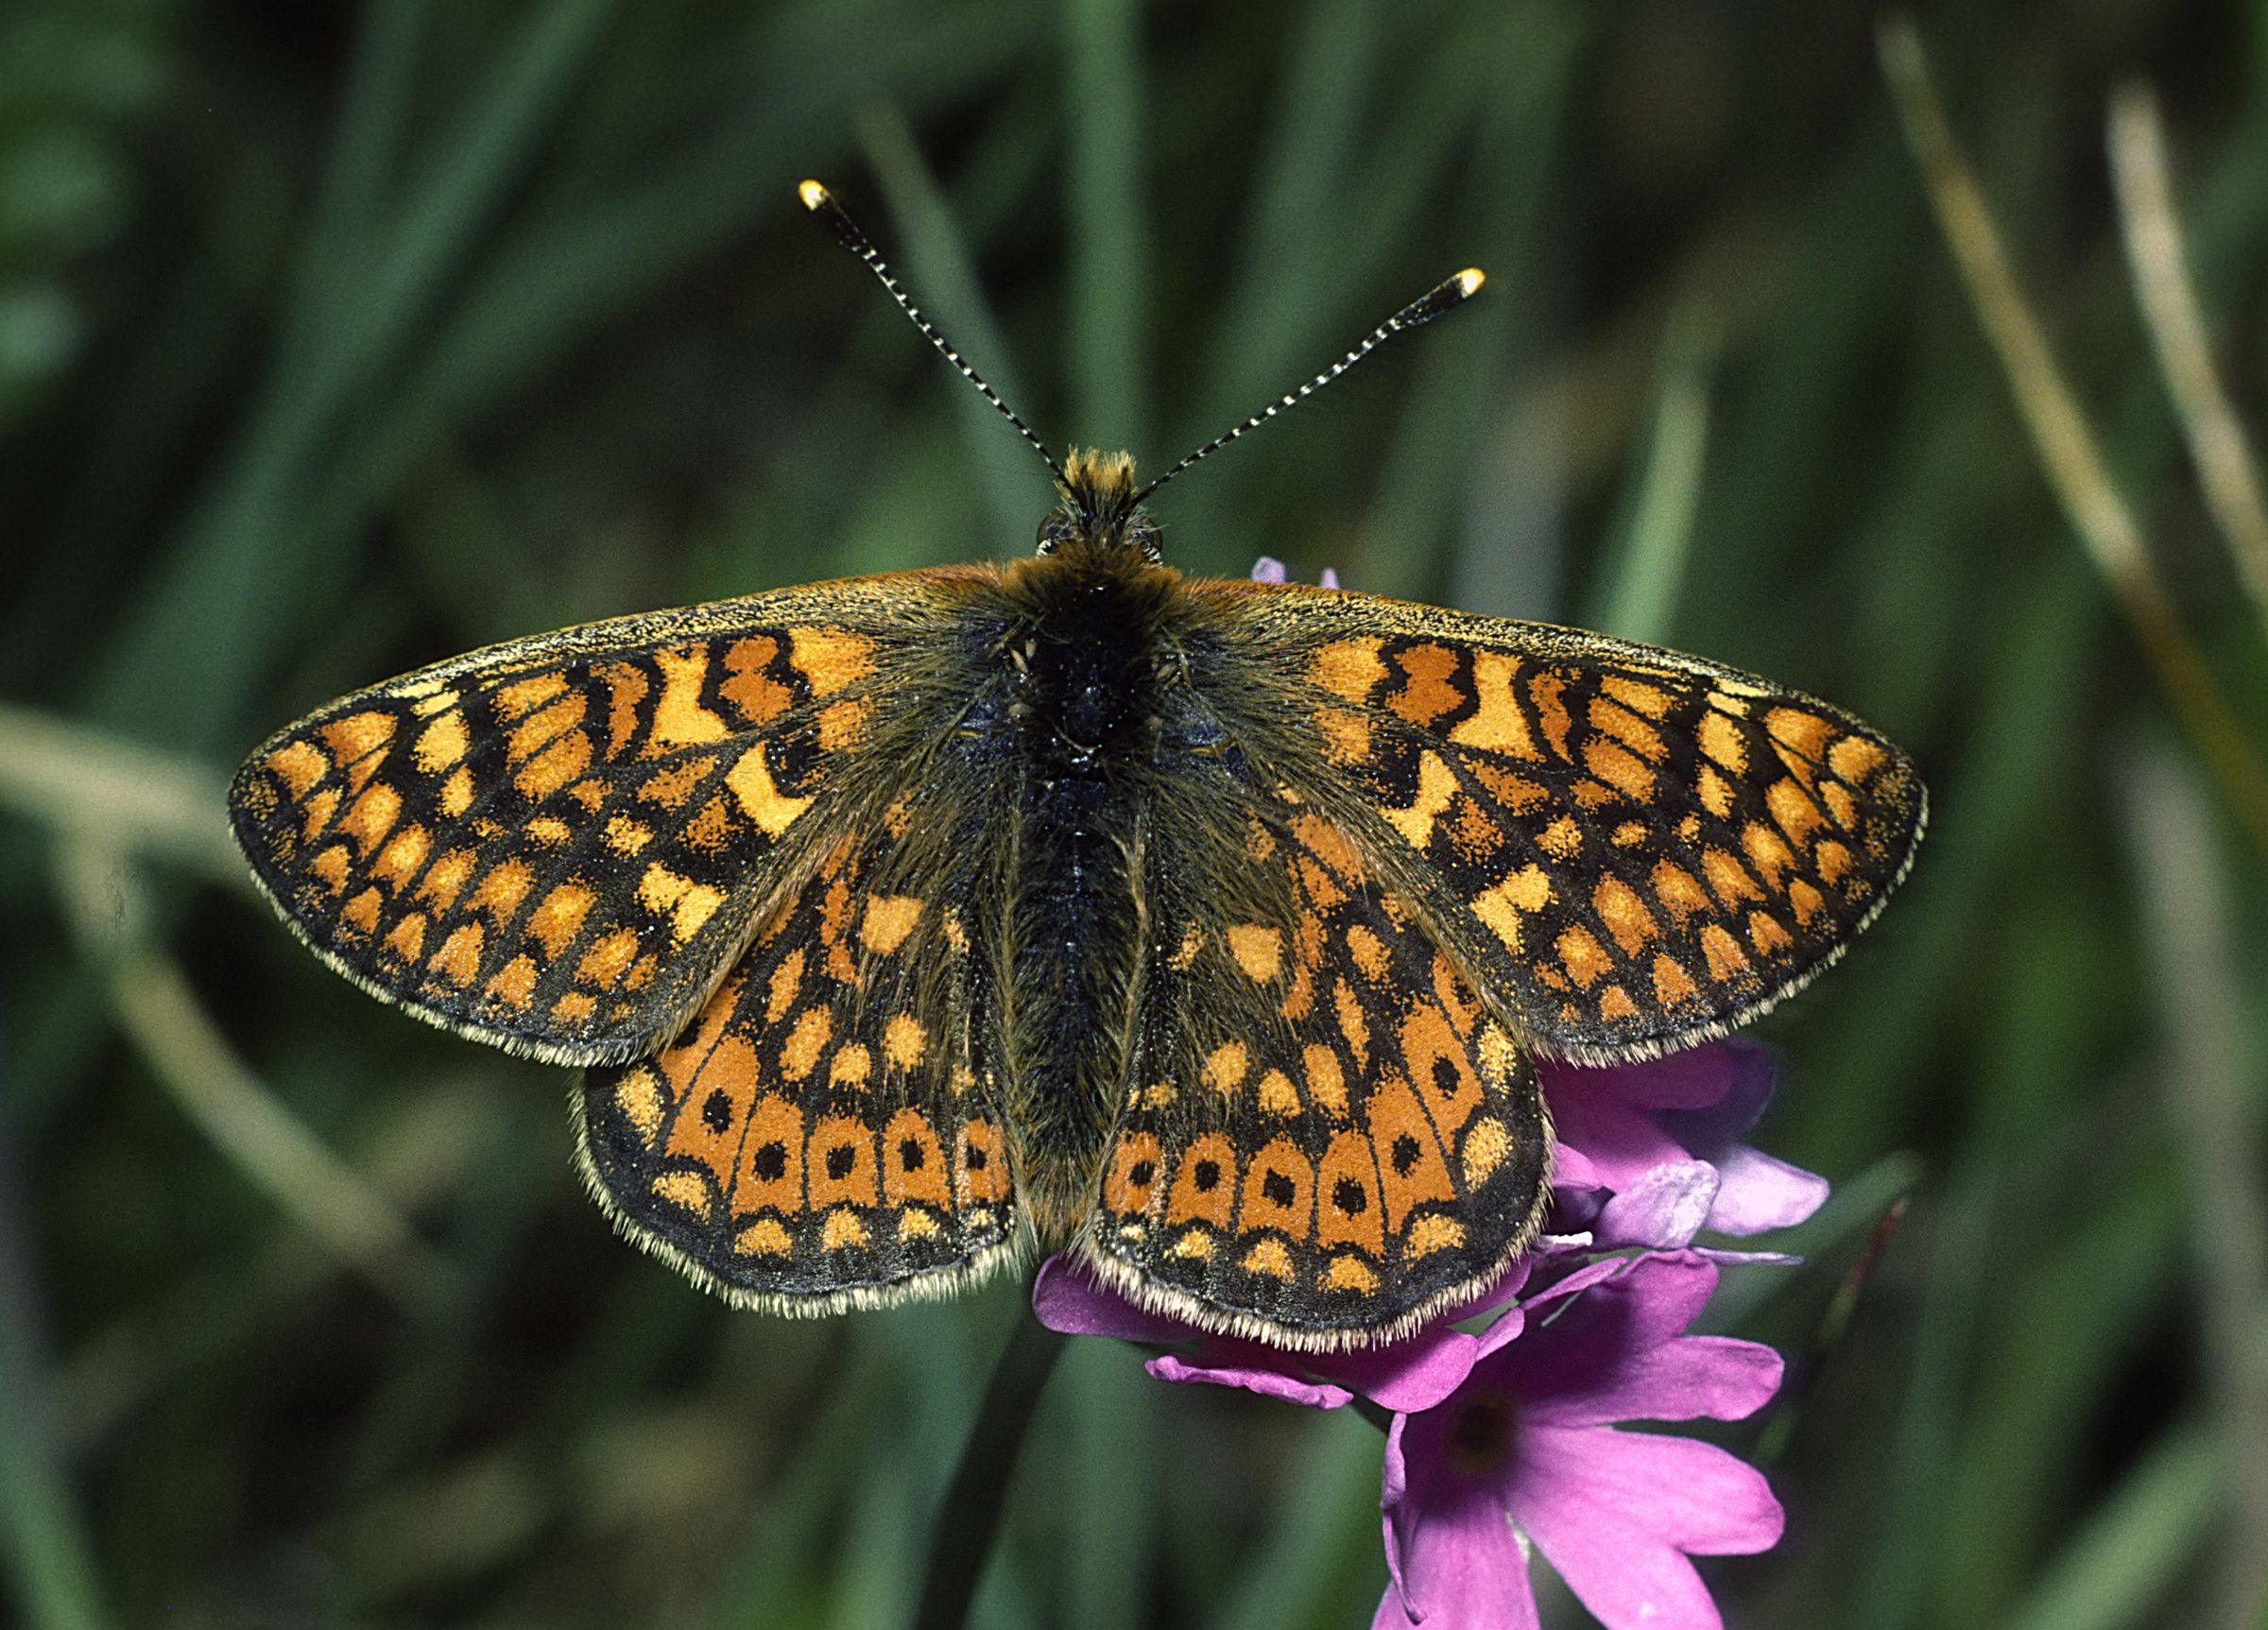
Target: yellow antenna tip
[[1470, 279], [815, 196]]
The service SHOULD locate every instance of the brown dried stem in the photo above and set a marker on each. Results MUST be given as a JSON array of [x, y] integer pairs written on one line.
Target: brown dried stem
[[2069, 451], [2226, 468]]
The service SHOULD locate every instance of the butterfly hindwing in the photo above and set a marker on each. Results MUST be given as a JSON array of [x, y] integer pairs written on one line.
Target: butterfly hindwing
[[1326, 1136], [826, 1133], [559, 844], [1633, 848]]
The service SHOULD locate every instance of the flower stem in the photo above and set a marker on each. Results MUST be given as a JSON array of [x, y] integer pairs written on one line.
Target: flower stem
[[969, 1520]]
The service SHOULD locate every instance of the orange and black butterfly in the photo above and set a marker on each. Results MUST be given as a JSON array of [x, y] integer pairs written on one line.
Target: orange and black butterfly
[[1208, 928]]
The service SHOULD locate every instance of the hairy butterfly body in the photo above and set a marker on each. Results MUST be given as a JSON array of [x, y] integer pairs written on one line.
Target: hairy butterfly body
[[1211, 928]]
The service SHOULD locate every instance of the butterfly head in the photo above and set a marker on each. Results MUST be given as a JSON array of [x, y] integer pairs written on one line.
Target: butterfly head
[[1100, 506]]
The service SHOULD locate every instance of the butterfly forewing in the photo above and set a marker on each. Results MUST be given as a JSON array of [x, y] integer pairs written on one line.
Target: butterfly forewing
[[1631, 847], [827, 1131], [559, 844]]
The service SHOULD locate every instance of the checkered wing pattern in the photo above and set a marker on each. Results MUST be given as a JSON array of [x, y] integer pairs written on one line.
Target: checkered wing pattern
[[559, 844], [826, 1133], [1327, 1135], [1631, 847]]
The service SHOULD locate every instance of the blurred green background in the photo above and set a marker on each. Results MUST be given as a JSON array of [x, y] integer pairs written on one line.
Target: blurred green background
[[336, 339]]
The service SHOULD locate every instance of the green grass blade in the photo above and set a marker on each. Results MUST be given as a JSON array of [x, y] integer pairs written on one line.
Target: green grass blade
[[1648, 566], [1110, 251]]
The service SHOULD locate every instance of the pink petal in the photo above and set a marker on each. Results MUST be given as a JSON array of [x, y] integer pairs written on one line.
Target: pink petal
[[1465, 1566], [1572, 1169], [1424, 1370], [1618, 1143], [1663, 1209], [1413, 1374], [1707, 1118], [1268, 1383], [1066, 1298], [1616, 1513], [1757, 1193], [1453, 1558], [1589, 1323], [1508, 1329], [1695, 1078], [1680, 1379], [1559, 1245], [1390, 1615], [1514, 1609], [1398, 1505], [1694, 1105], [1409, 1376]]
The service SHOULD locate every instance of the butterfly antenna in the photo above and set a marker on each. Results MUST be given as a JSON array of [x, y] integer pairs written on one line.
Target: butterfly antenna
[[820, 202], [1438, 300]]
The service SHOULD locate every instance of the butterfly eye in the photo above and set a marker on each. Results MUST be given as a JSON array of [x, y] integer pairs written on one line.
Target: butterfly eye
[[1055, 530], [1145, 535]]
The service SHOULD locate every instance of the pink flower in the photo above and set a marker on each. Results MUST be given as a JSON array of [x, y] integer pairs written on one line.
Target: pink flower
[[1413, 1374], [1650, 1154], [1504, 1440], [1267, 569], [1526, 1453]]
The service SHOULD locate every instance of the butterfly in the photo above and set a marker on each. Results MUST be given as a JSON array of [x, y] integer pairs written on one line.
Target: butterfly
[[1208, 929]]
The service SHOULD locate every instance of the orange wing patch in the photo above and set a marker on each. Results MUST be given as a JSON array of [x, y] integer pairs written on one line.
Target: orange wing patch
[[557, 844], [1345, 1137], [1646, 848], [826, 1132]]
